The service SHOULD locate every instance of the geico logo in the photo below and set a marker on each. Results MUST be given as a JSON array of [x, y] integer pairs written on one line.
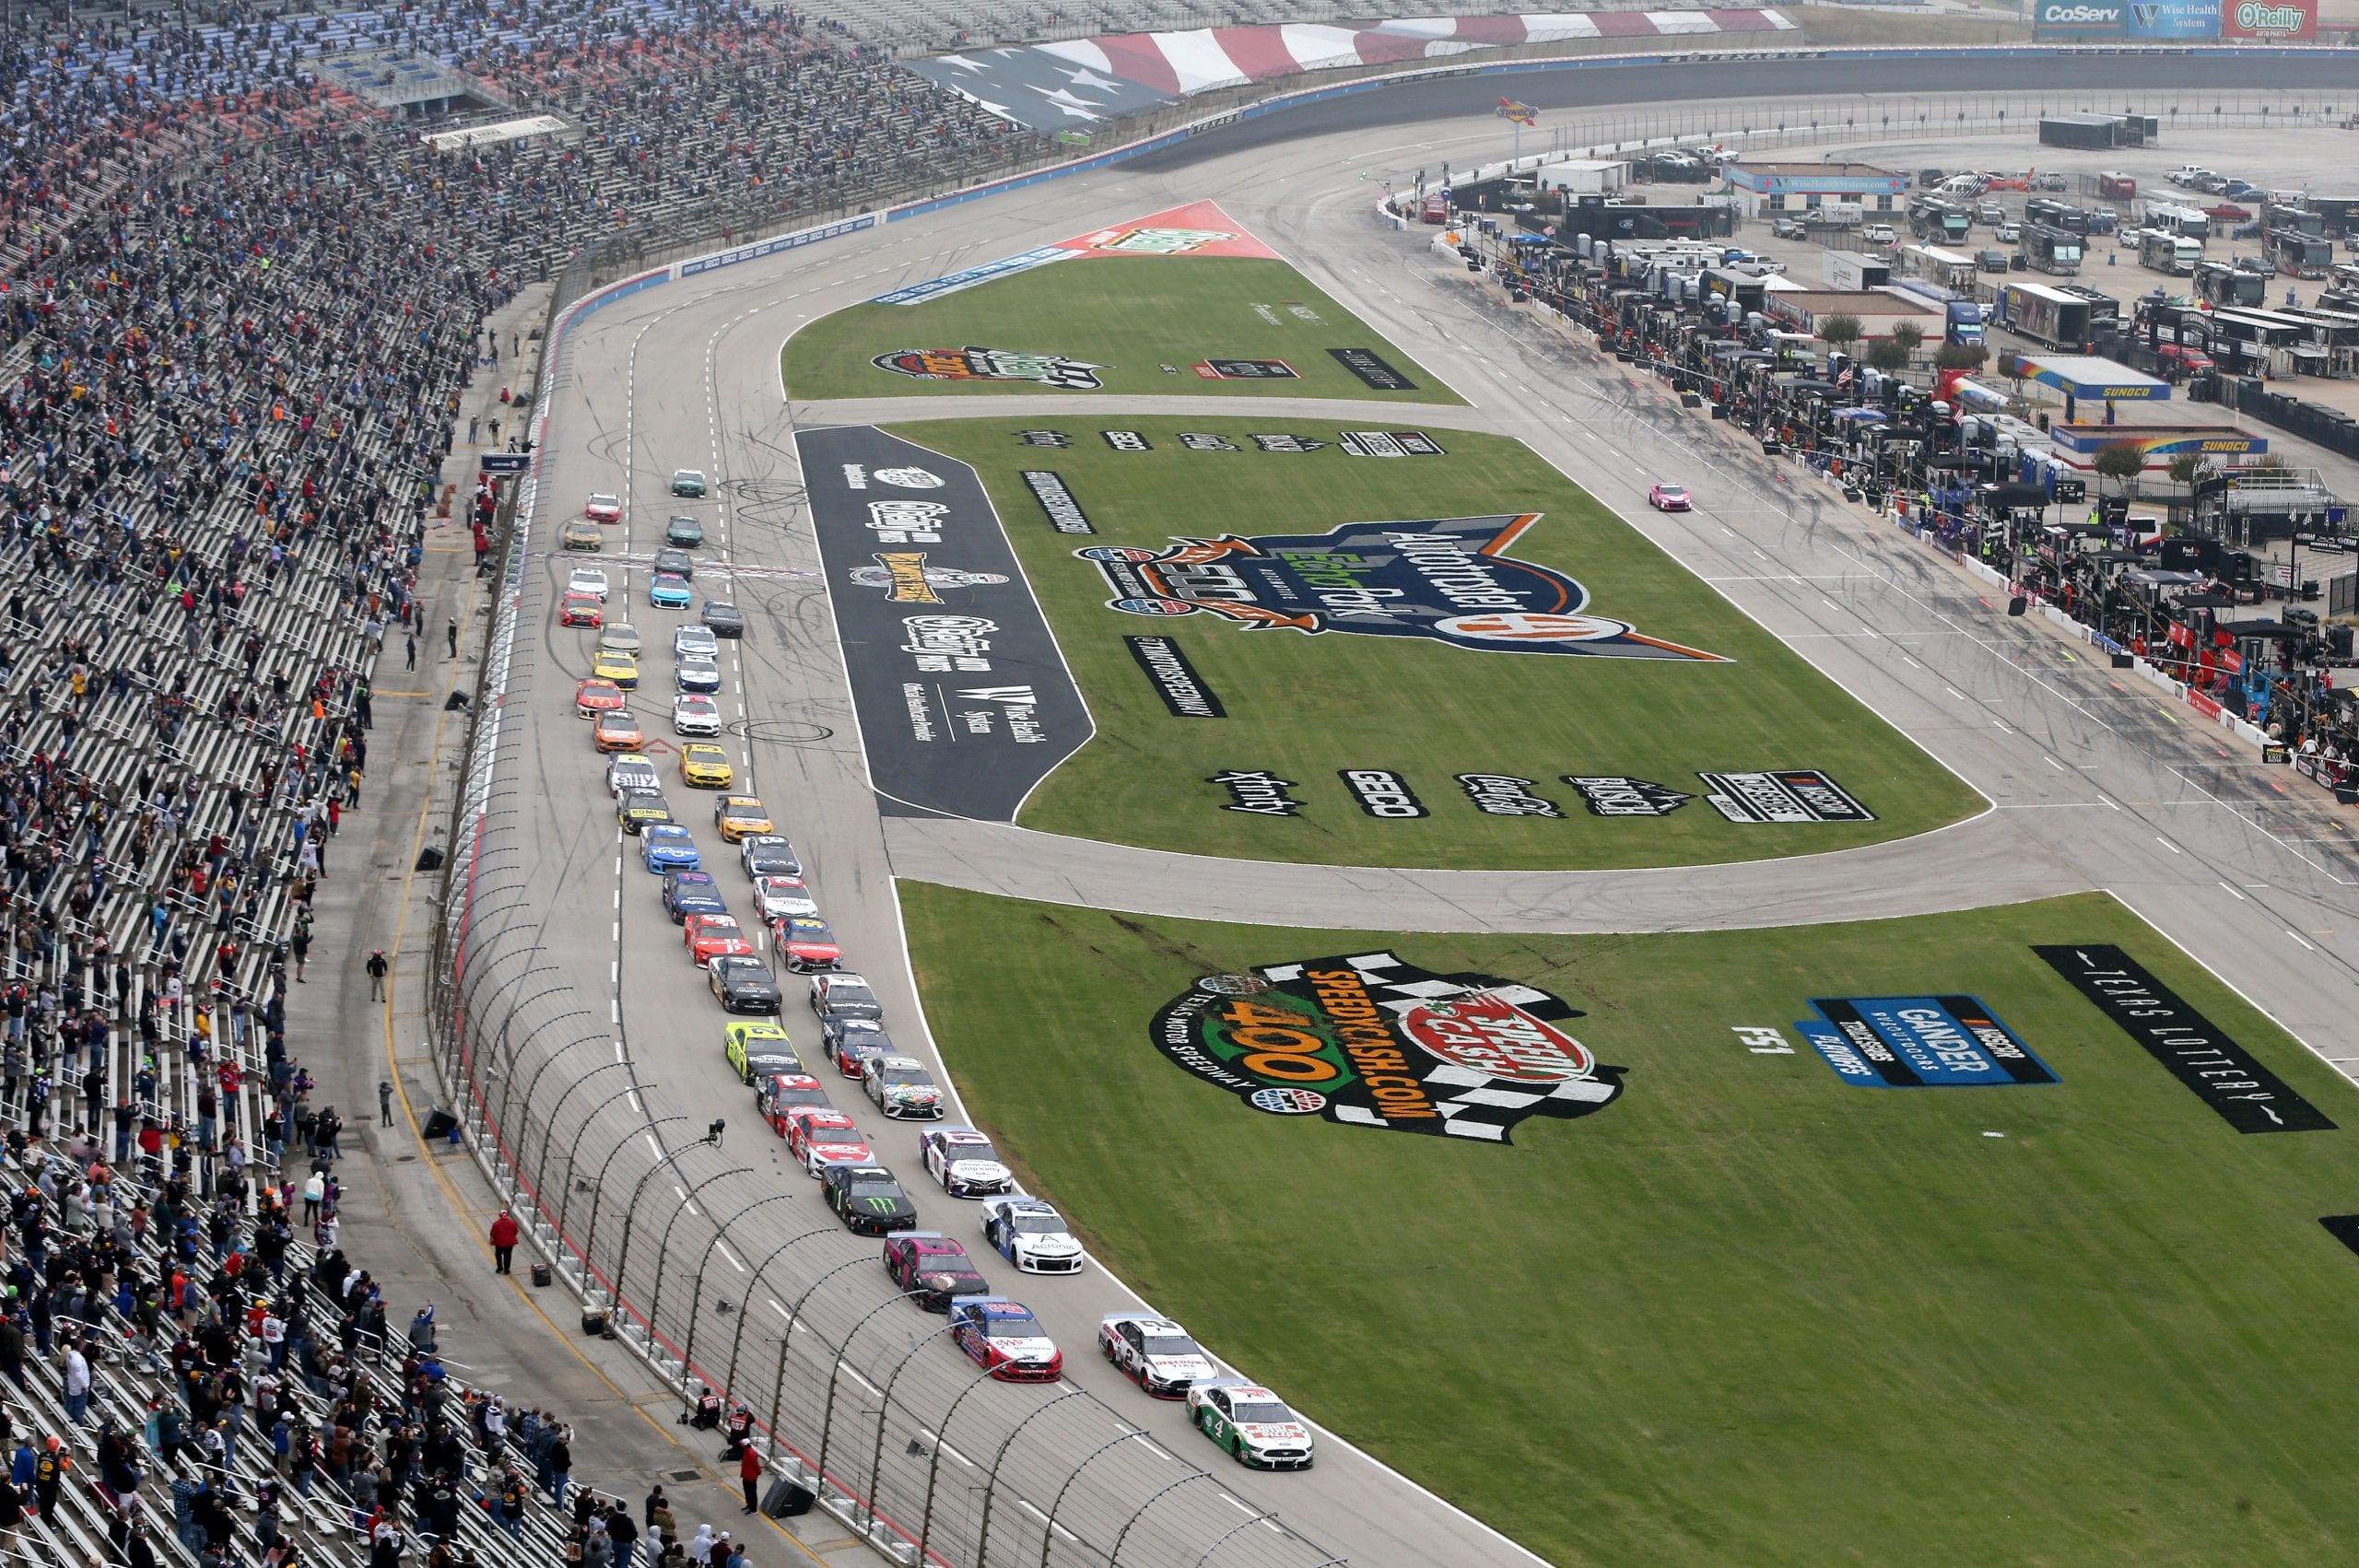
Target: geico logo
[[2271, 19], [1383, 795], [2079, 14]]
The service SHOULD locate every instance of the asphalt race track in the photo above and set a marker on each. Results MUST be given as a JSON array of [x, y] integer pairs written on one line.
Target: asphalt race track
[[2094, 783]]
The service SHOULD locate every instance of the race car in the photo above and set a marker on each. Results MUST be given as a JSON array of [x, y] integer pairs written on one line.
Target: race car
[[723, 620], [668, 848], [684, 532], [674, 563], [805, 942], [901, 1088], [619, 636], [694, 640], [1030, 1234], [643, 809], [708, 937], [579, 535], [594, 697], [777, 1094], [691, 893], [843, 994], [696, 672], [616, 731], [851, 1042], [740, 816], [867, 1200], [588, 579], [693, 715], [964, 1162], [768, 855], [705, 766], [819, 1136], [621, 668], [688, 482], [1669, 499], [744, 985], [1004, 1338], [935, 1270], [777, 897], [1154, 1353], [580, 610], [759, 1049], [1252, 1424], [667, 591], [603, 508]]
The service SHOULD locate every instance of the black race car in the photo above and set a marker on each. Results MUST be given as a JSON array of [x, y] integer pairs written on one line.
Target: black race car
[[933, 1266], [867, 1200], [744, 985], [723, 620]]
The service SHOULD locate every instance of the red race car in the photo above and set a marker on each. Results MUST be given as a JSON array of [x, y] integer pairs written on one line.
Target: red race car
[[818, 1136], [778, 1094], [805, 942], [715, 936], [582, 609], [603, 508]]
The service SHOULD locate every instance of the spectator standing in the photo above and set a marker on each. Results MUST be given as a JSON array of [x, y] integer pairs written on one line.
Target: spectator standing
[[503, 1243], [378, 965], [750, 1473]]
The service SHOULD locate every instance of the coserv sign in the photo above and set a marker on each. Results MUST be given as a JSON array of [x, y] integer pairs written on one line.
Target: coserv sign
[[2131, 18], [2294, 22]]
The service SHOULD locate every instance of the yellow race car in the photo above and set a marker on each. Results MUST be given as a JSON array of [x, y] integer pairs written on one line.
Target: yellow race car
[[740, 817], [705, 766], [613, 665], [759, 1047]]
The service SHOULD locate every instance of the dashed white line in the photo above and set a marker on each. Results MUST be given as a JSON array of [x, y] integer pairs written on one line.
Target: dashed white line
[[2297, 937], [2168, 845], [2235, 895]]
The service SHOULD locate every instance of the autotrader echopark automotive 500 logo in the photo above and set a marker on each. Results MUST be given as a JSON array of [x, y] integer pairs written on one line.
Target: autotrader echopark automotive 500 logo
[[1450, 579], [1373, 1040]]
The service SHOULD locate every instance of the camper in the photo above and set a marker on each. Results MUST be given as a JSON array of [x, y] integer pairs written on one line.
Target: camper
[[2053, 250], [2302, 254], [2217, 283], [2172, 254]]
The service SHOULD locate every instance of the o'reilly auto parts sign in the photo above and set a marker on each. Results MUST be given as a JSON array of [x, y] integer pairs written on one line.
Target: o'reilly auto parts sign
[[2296, 22], [2128, 18]]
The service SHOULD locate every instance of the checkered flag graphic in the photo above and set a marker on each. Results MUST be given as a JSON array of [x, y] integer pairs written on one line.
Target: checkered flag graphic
[[1476, 1105]]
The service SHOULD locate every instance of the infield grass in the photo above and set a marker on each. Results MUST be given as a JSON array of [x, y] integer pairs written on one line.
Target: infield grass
[[1308, 706], [1746, 1314], [1134, 316]]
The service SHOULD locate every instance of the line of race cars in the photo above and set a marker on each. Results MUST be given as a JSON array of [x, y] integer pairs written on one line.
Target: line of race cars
[[1001, 1334]]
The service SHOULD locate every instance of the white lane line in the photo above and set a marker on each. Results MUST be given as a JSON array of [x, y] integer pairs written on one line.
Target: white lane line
[[732, 1257], [2235, 895], [2297, 937], [2168, 845], [2001, 725], [2052, 763], [1240, 1508]]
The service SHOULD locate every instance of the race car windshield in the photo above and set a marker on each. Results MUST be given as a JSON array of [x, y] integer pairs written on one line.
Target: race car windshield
[[1025, 1328], [1034, 1224], [1171, 1345], [1262, 1414], [875, 1189], [906, 1075]]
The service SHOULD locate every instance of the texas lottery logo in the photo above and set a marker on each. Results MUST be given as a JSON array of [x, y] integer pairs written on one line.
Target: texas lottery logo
[[1376, 1041], [1448, 579]]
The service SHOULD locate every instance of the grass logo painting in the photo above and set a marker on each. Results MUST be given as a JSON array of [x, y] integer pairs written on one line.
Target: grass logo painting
[[974, 364], [1376, 1041], [1919, 1042], [1450, 579]]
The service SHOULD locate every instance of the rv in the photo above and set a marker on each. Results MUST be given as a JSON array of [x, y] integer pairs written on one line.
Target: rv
[[2173, 255], [2220, 284], [2303, 255], [2052, 250]]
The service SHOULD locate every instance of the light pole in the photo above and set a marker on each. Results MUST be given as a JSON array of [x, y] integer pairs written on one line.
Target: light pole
[[828, 1423], [622, 1263], [885, 1404], [664, 1252], [1048, 1526], [933, 1469], [598, 1187], [541, 1166], [695, 1302], [991, 1486], [786, 1342]]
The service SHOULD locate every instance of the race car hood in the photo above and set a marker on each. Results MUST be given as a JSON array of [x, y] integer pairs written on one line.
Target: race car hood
[[840, 1153], [1034, 1347], [1178, 1369], [1275, 1435], [912, 1093], [1060, 1247], [984, 1171]]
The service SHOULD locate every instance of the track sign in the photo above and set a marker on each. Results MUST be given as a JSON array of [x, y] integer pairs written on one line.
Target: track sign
[[505, 462]]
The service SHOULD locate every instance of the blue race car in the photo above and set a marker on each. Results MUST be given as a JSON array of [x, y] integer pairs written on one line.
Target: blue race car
[[691, 893], [669, 591], [668, 847]]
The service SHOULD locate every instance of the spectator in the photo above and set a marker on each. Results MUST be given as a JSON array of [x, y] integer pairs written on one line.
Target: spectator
[[504, 1235]]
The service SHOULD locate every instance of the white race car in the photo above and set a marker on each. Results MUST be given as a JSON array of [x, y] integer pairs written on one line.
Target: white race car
[[1154, 1353], [1030, 1234], [1252, 1424], [964, 1162]]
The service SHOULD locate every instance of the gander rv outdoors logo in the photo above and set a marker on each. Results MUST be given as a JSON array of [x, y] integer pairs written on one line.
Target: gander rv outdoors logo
[[972, 364], [1375, 1041], [1450, 579]]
